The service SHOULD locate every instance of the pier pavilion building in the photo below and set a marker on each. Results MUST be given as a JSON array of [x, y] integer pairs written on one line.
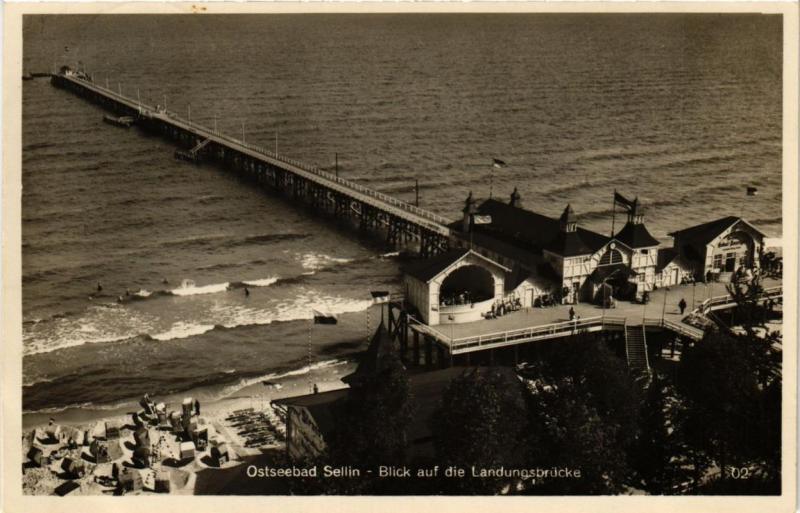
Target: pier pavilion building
[[719, 248], [556, 256], [505, 256]]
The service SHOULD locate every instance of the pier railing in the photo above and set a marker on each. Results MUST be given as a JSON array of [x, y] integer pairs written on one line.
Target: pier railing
[[677, 327], [726, 299], [150, 111], [546, 331], [535, 333]]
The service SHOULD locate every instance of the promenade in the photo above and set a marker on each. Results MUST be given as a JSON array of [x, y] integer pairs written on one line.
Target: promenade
[[663, 305]]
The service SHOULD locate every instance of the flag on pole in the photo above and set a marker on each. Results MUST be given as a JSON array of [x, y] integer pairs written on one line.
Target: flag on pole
[[619, 199], [324, 317], [479, 219], [498, 163], [380, 296]]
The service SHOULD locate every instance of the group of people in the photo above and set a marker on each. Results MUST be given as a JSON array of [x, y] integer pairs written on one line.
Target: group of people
[[463, 298], [546, 301], [500, 308]]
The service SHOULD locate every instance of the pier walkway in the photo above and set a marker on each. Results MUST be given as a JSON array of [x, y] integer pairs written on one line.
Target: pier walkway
[[532, 324], [401, 221]]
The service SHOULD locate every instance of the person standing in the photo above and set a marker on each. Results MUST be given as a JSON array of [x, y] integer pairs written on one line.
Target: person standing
[[197, 407], [571, 313], [682, 305]]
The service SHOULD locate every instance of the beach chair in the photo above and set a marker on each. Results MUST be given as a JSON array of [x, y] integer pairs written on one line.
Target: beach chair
[[36, 456], [130, 480], [187, 450], [162, 482]]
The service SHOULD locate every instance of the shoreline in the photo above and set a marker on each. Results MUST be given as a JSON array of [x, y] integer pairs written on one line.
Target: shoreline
[[326, 374]]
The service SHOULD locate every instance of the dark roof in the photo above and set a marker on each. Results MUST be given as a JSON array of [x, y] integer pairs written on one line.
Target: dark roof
[[706, 232], [313, 399], [425, 270], [319, 405], [372, 360], [536, 231], [568, 244], [426, 390], [664, 257], [636, 236], [510, 250]]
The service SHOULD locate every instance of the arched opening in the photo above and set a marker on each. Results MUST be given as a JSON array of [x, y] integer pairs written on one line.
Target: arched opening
[[468, 284], [610, 257]]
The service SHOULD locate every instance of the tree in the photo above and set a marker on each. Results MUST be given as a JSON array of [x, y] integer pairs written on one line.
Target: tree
[[602, 377], [659, 457], [566, 430], [370, 428], [583, 413], [730, 383], [479, 424]]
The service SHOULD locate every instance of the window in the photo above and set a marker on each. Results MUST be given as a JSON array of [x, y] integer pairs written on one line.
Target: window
[[717, 261], [612, 256], [644, 251]]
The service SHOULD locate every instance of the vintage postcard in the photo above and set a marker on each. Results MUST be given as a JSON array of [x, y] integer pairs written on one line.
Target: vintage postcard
[[501, 256]]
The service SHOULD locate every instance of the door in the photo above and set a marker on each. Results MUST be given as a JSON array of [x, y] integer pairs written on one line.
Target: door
[[674, 279], [730, 262]]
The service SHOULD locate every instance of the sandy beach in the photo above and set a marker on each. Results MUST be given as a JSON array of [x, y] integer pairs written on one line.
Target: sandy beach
[[75, 452]]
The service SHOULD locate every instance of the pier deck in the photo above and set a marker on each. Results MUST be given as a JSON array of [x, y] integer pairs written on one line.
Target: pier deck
[[532, 324]]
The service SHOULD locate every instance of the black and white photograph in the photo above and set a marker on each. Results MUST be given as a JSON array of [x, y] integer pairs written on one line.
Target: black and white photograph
[[404, 254]]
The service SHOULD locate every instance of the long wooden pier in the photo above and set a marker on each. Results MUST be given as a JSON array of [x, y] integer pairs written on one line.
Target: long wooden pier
[[402, 223]]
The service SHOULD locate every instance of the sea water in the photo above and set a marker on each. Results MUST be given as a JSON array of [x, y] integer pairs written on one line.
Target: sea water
[[683, 111]]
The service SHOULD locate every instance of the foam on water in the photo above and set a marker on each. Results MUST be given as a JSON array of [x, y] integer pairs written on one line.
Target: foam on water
[[104, 324], [275, 376], [265, 282], [317, 261], [183, 330], [189, 289]]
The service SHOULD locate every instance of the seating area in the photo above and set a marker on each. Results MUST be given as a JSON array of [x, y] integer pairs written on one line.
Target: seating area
[[258, 429]]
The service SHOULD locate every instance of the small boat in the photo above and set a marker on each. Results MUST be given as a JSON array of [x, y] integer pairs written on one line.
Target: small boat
[[123, 121], [752, 191]]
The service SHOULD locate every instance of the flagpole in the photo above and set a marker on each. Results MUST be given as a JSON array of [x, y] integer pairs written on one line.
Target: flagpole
[[308, 352], [471, 228], [613, 212]]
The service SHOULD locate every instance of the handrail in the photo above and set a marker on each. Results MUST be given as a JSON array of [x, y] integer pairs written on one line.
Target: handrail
[[403, 205], [681, 328], [525, 333]]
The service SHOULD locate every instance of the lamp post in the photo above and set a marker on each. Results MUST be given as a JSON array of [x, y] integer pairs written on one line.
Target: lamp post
[[603, 284], [664, 306]]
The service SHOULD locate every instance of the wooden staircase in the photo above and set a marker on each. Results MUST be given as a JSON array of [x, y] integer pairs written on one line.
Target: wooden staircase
[[192, 155], [636, 349]]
